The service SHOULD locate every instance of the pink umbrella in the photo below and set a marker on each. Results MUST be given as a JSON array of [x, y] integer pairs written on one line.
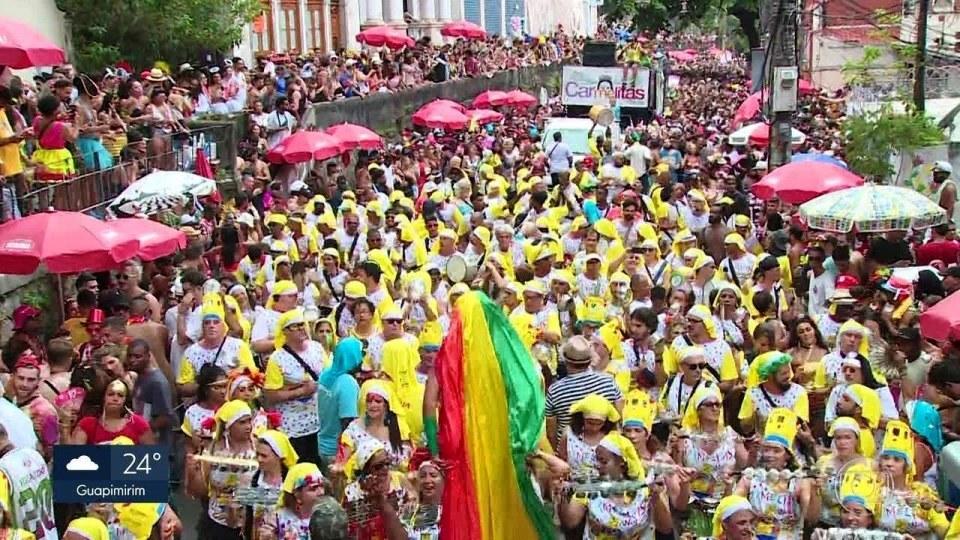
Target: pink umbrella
[[801, 181], [681, 56], [519, 98], [303, 146], [441, 117], [385, 36], [807, 87], [65, 242], [443, 104], [748, 109], [156, 239], [352, 136], [942, 321], [21, 46], [463, 29], [759, 135], [485, 116], [490, 98]]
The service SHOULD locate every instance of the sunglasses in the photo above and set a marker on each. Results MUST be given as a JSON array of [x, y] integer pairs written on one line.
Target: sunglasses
[[699, 366], [393, 321], [711, 404], [296, 326], [122, 277]]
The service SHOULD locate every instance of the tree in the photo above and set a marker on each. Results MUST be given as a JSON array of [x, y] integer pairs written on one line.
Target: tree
[[658, 14], [144, 31]]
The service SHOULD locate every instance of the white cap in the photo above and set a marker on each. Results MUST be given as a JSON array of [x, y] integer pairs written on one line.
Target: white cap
[[760, 166], [297, 186], [245, 218], [943, 166]]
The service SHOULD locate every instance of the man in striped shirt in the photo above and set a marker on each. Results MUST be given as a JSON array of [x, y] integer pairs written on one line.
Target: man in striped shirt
[[581, 381]]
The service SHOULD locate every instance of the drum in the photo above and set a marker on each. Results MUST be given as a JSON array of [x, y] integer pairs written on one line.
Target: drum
[[459, 270]]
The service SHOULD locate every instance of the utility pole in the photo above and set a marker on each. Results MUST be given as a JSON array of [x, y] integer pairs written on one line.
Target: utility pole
[[781, 79], [920, 63]]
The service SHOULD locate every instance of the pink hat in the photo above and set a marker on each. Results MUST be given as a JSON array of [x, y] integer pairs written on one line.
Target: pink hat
[[22, 314]]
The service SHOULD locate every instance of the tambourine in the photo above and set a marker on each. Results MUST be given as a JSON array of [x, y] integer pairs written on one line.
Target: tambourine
[[253, 496], [592, 490], [773, 475], [836, 533], [223, 460]]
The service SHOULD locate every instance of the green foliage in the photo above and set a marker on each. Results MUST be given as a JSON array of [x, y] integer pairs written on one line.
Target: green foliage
[[860, 72], [677, 14], [143, 31], [872, 137]]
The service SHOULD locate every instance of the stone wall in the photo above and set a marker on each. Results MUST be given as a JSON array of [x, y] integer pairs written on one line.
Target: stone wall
[[387, 114]]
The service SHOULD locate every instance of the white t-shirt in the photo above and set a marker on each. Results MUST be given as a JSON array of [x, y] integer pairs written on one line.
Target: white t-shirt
[[821, 288], [559, 155], [639, 156], [285, 122]]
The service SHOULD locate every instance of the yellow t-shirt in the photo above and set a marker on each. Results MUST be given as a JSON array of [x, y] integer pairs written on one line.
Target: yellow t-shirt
[[188, 374], [10, 162], [77, 329]]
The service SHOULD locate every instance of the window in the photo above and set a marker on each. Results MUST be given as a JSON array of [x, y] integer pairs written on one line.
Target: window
[[289, 27], [262, 26], [315, 29]]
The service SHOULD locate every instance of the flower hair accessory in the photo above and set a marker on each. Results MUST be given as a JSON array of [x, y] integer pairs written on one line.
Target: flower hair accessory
[[274, 419]]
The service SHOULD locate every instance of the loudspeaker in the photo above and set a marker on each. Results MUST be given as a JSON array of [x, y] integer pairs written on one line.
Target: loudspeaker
[[600, 54]]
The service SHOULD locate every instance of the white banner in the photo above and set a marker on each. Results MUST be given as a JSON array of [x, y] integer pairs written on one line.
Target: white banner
[[587, 85]]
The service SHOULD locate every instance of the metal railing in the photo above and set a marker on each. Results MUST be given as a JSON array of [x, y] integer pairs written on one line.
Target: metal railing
[[91, 191]]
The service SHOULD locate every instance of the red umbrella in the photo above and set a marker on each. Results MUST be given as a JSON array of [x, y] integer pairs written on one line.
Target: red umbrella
[[463, 29], [156, 239], [801, 181], [806, 87], [65, 242], [485, 116], [21, 46], [942, 321], [490, 98], [303, 146], [385, 36], [443, 104], [441, 117], [352, 136], [518, 98], [748, 109]]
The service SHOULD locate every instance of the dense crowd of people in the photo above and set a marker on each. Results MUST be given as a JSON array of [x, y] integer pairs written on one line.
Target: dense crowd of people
[[710, 366]]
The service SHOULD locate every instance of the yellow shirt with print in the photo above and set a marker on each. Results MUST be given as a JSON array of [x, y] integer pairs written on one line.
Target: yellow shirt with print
[[728, 364], [10, 162], [18, 534], [748, 409], [187, 374], [523, 323]]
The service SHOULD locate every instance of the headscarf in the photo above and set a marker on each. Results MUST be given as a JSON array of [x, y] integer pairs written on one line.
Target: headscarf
[[729, 505], [869, 403], [781, 428], [300, 475], [925, 421], [346, 357], [765, 366], [280, 288], [853, 327], [691, 419], [239, 376], [287, 318], [280, 444], [702, 314], [621, 446], [90, 528], [366, 449], [375, 387], [597, 407], [229, 413], [865, 443]]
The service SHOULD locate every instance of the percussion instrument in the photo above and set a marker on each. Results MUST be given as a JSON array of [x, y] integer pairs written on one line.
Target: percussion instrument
[[223, 460], [602, 115], [835, 533], [459, 269], [363, 511], [256, 496]]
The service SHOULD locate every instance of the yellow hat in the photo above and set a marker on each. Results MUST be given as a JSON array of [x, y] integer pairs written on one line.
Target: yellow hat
[[349, 195], [284, 287], [280, 444], [212, 307], [781, 428], [898, 442], [853, 327], [596, 407], [639, 411], [382, 259], [374, 207], [332, 252], [287, 318], [122, 441], [866, 446], [535, 286], [90, 528], [860, 485], [275, 217], [563, 276], [447, 233], [741, 220], [869, 403], [396, 195], [578, 223], [729, 505], [724, 286], [461, 288], [735, 239], [483, 234], [366, 449], [375, 387], [691, 417], [355, 289], [621, 446], [300, 475]]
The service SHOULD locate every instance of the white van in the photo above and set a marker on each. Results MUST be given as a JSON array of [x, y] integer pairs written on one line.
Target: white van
[[575, 134]]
